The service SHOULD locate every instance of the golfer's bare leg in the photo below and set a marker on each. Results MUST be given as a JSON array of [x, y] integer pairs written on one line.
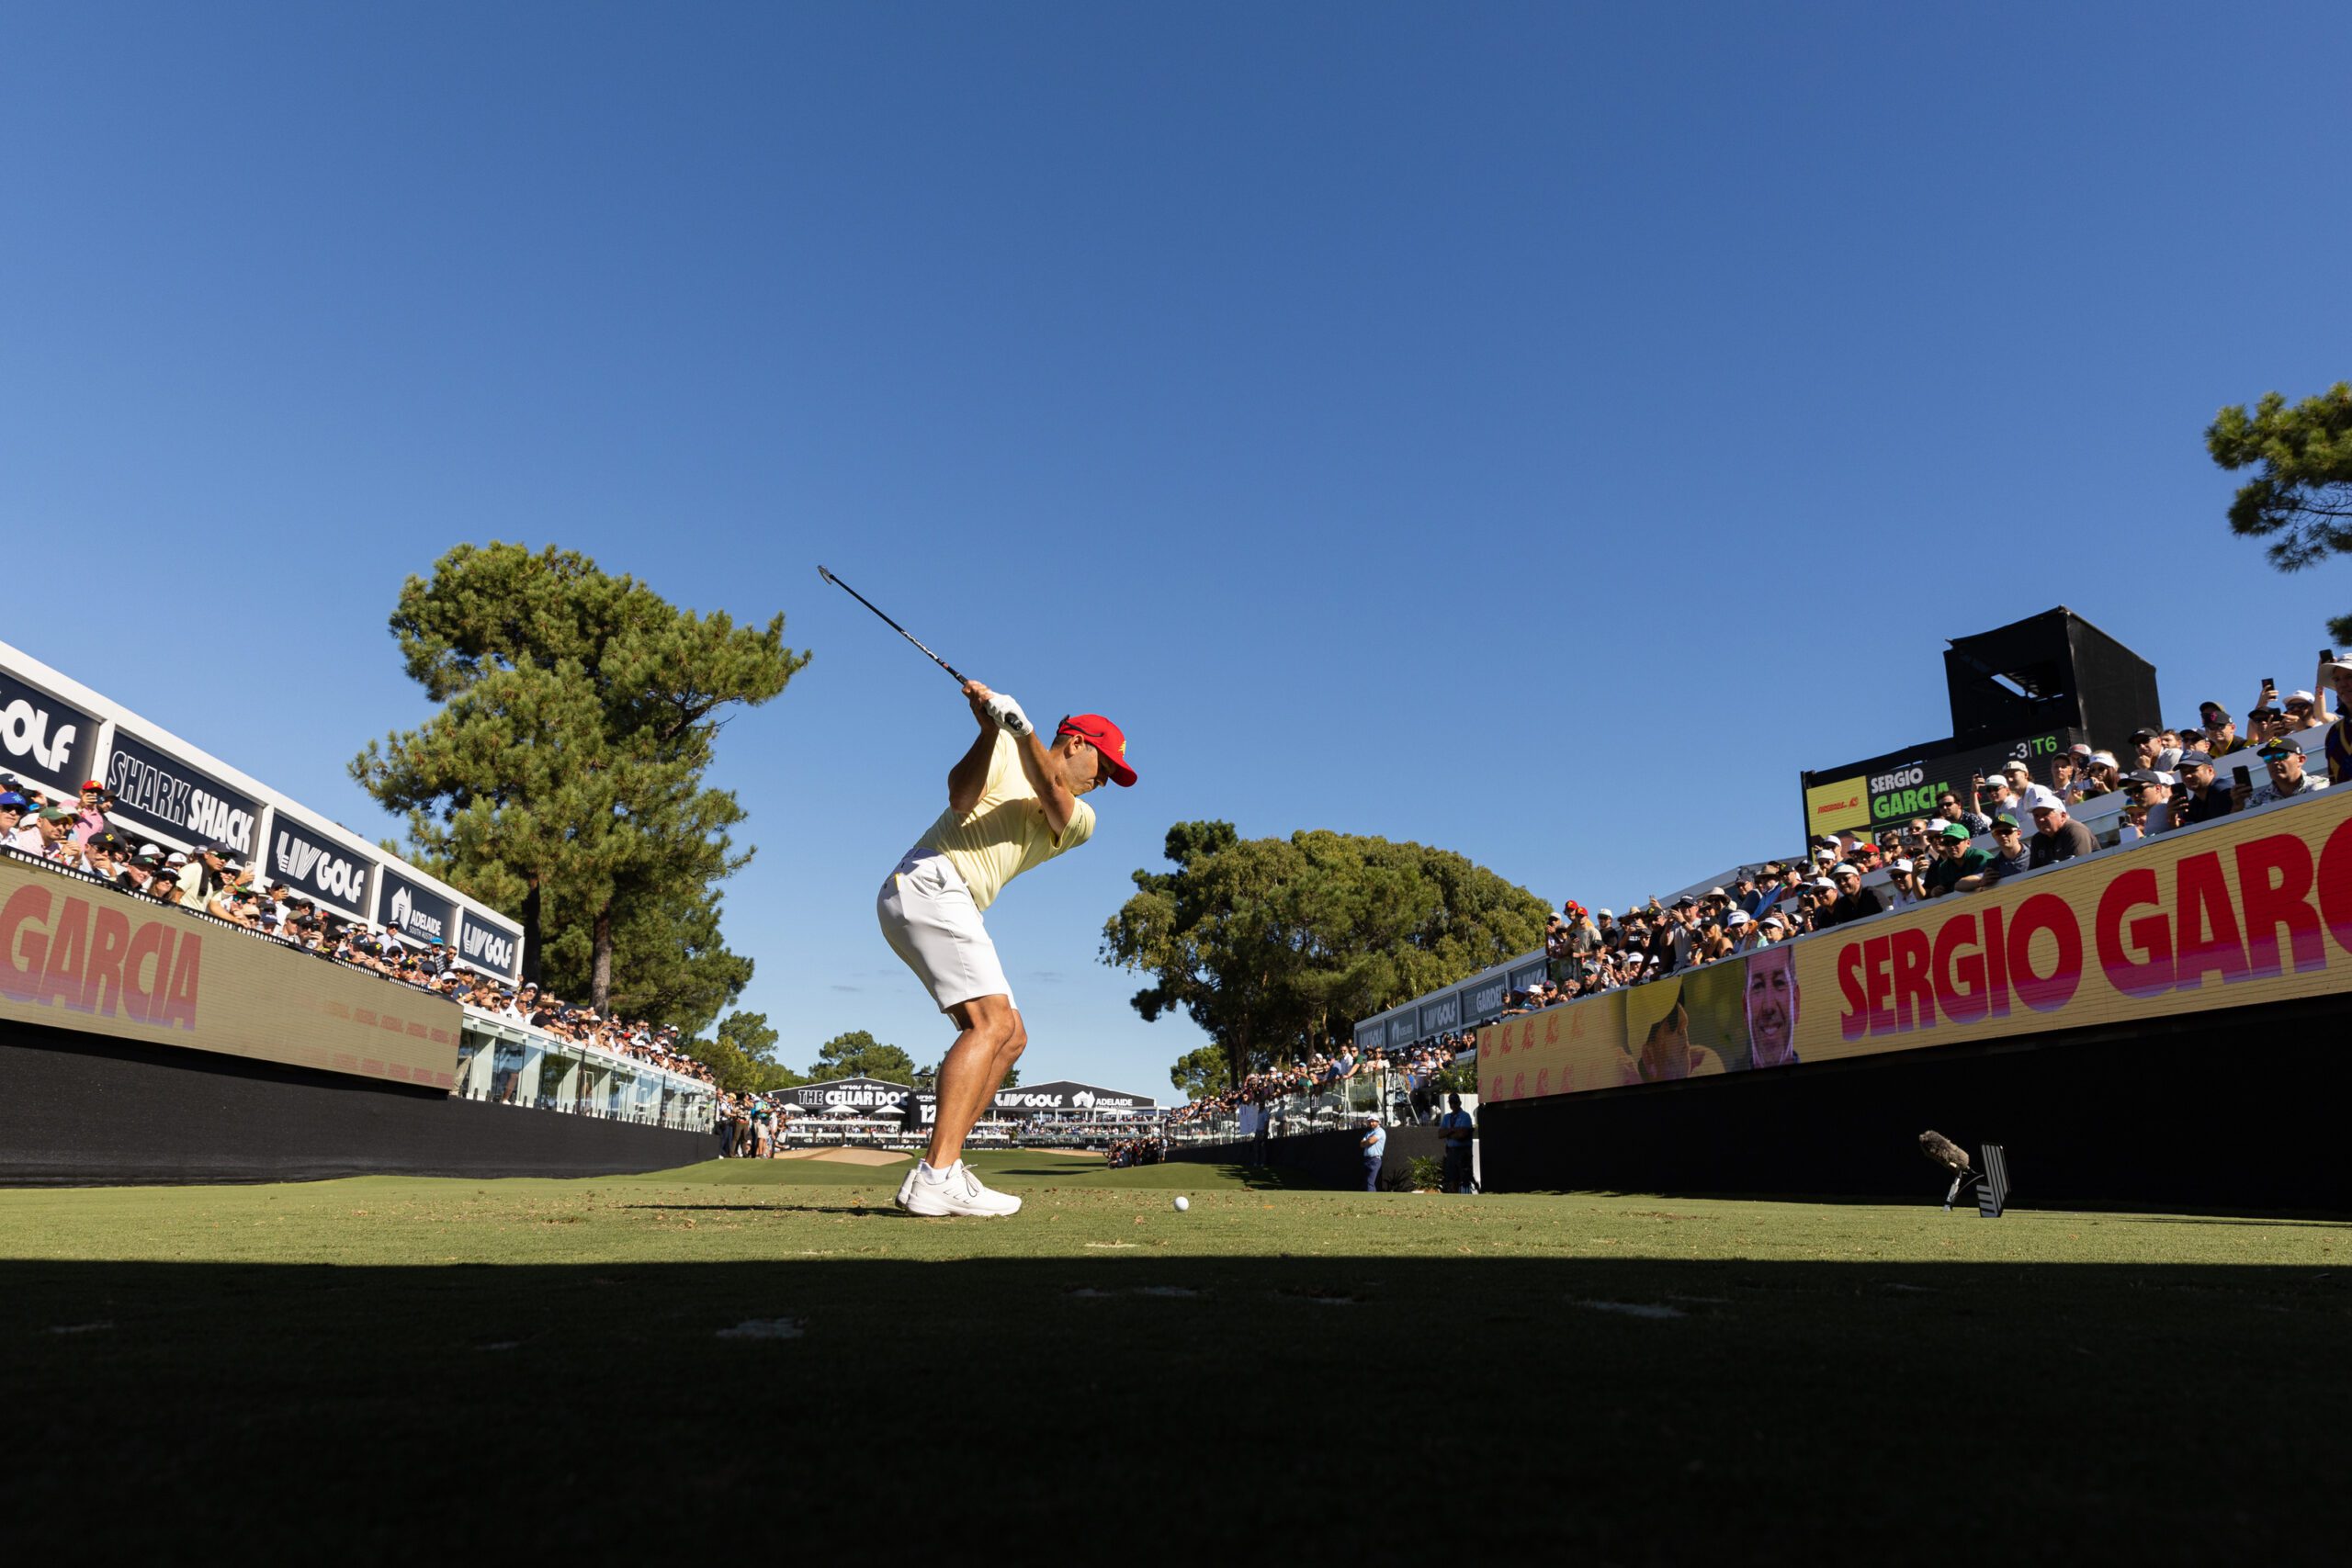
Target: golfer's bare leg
[[972, 1070]]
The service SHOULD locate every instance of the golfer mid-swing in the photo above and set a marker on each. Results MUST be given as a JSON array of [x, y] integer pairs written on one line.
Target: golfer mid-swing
[[1012, 804]]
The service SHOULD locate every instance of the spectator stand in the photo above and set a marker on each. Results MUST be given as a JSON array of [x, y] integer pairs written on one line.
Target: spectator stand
[[510, 1063]]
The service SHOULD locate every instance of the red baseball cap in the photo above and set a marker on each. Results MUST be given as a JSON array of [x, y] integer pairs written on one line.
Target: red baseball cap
[[1104, 736], [94, 784]]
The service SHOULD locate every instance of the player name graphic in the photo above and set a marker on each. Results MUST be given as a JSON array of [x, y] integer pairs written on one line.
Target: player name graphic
[[2152, 930], [96, 962]]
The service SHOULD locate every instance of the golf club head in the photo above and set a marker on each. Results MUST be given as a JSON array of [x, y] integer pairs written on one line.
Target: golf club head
[[828, 576]]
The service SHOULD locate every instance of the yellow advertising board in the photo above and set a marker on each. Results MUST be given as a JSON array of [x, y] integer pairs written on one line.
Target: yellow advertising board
[[2249, 910], [1832, 807], [77, 956]]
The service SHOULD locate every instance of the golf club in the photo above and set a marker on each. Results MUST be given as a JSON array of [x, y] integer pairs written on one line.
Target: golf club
[[891, 624]]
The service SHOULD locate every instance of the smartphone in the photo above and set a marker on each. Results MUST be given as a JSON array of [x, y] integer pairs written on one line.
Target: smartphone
[[2246, 779]]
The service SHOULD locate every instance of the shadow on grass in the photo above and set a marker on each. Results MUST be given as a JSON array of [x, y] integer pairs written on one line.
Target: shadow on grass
[[1636, 1409], [885, 1209]]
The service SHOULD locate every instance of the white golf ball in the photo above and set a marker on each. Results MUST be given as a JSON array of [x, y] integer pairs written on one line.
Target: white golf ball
[[1182, 1203]]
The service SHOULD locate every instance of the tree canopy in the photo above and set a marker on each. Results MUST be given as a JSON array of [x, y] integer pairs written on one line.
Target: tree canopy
[[1276, 946], [858, 1054], [2300, 495], [741, 1055], [562, 780]]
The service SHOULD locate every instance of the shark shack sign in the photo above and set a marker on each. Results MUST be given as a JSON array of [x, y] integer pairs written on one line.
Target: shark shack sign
[[74, 955], [158, 792]]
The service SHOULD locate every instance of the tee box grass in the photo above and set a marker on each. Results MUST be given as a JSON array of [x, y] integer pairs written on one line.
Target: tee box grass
[[600, 1370]]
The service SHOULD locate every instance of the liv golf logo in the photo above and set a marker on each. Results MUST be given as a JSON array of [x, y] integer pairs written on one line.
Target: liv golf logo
[[490, 948]]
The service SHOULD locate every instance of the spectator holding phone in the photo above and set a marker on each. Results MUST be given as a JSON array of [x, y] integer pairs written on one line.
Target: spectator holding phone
[[2201, 801], [2335, 676]]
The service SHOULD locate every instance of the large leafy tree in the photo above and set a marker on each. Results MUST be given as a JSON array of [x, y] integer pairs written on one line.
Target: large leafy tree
[[741, 1055], [562, 780], [1276, 946], [2300, 495], [858, 1054], [1202, 1072]]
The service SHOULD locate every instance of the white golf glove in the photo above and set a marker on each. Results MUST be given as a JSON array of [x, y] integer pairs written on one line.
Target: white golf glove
[[1008, 714]]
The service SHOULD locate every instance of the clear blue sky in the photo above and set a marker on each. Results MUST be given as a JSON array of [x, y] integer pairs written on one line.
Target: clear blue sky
[[1538, 431]]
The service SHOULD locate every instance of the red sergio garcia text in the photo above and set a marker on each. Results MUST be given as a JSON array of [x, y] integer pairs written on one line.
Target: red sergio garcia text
[[2257, 911]]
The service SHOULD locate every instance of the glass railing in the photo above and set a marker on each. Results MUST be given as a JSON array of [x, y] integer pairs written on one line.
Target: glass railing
[[1384, 1094], [510, 1063]]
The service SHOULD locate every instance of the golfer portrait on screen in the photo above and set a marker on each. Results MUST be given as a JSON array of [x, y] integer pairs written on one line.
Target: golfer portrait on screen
[[1772, 1008], [1658, 1033]]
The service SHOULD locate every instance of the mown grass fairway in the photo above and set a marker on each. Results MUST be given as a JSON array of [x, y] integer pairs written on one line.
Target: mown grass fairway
[[605, 1369]]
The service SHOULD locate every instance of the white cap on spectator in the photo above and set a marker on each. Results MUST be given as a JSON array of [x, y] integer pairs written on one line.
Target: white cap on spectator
[[2041, 798], [1607, 915], [176, 858], [1739, 918], [1718, 893], [1775, 920], [2103, 759], [1899, 865], [1937, 824], [2300, 698], [2015, 765], [1842, 869]]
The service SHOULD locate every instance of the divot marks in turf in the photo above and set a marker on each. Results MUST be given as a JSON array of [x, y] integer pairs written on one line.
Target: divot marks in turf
[[765, 1328]]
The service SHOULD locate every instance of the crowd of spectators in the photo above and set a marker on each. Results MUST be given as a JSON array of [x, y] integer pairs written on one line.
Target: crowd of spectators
[[1125, 1151], [78, 836], [1406, 1076], [2174, 778], [2174, 781]]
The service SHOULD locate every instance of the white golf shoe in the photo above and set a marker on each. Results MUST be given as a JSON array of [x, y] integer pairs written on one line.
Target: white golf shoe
[[907, 1185], [955, 1191]]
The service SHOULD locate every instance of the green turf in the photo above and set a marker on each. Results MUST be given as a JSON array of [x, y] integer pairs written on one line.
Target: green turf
[[545, 1366]]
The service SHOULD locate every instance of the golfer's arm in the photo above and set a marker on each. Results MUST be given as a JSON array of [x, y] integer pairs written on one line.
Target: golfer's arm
[[1059, 805], [970, 776]]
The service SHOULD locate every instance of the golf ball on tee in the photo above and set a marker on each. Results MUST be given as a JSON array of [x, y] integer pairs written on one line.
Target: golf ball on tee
[[1182, 1203]]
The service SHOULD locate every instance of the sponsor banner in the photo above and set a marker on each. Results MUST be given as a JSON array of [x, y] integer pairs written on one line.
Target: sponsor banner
[[2249, 910], [417, 913], [1529, 973], [1879, 791], [1071, 1097], [1841, 804], [490, 945], [1483, 1000], [333, 873], [862, 1094], [157, 792], [1441, 1014], [1370, 1032], [44, 742], [77, 956]]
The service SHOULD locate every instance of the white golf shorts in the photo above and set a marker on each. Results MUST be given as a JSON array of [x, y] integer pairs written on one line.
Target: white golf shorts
[[930, 920]]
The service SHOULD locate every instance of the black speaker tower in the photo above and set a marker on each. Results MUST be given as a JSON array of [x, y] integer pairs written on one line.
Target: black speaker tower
[[2053, 670]]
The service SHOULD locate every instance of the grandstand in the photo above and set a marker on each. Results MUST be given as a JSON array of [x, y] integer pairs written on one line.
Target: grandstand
[[176, 909], [2161, 893]]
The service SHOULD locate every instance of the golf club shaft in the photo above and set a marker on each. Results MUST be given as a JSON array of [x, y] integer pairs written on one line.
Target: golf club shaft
[[891, 624]]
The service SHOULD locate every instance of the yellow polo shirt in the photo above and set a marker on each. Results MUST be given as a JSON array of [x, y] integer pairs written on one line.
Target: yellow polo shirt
[[1006, 833]]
